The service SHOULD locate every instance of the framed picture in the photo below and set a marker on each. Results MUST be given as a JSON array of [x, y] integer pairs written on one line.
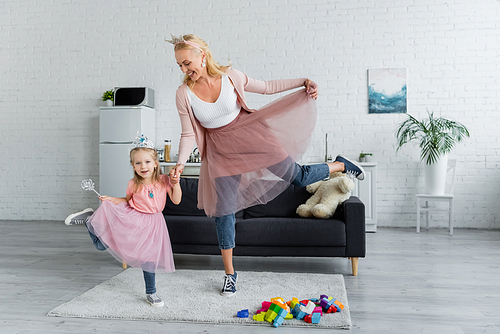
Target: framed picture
[[387, 91]]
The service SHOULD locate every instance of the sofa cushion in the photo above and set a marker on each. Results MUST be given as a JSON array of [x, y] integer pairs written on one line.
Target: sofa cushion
[[189, 202], [279, 231], [284, 205], [191, 230]]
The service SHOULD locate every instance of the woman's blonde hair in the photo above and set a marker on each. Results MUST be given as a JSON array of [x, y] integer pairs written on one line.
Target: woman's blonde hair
[[213, 67], [156, 174]]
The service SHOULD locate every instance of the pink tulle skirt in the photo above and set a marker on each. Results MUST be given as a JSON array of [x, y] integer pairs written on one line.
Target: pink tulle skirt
[[140, 239], [252, 160]]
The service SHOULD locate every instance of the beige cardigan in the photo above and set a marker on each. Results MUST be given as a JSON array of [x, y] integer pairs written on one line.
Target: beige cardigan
[[193, 131]]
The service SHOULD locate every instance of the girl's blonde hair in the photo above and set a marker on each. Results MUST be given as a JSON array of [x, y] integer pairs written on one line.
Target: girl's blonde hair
[[155, 178], [213, 67]]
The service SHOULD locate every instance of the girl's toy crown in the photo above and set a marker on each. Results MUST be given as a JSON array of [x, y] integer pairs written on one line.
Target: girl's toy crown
[[143, 141]]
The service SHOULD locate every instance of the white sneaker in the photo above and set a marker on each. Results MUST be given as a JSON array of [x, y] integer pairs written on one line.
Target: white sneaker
[[79, 217], [154, 300]]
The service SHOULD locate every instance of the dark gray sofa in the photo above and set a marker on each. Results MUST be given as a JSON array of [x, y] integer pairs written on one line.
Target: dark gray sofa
[[273, 229]]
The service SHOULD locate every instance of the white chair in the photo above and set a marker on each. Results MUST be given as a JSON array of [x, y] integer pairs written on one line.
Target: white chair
[[447, 197]]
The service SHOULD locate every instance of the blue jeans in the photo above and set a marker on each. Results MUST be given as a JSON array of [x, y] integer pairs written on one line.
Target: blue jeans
[[149, 278], [305, 175]]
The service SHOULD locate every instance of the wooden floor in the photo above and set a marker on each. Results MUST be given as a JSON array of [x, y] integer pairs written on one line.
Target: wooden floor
[[408, 283]]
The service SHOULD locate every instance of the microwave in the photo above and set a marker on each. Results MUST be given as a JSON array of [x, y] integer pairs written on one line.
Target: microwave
[[134, 96]]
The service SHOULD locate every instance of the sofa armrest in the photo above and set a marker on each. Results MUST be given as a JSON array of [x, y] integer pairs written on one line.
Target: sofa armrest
[[354, 218]]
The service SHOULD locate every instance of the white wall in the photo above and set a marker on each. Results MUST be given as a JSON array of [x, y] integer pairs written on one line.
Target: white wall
[[58, 56]]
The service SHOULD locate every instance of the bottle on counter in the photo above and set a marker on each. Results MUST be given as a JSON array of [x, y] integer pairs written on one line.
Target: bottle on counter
[[166, 152]]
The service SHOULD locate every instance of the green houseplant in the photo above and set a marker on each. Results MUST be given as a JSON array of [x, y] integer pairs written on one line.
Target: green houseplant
[[107, 95], [363, 157], [437, 137]]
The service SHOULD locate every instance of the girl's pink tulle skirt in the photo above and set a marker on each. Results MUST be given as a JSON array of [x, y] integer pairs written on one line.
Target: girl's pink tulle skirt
[[252, 160], [140, 239]]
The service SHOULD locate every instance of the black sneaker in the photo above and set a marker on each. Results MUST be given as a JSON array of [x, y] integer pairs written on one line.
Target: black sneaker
[[79, 217], [352, 169], [229, 287], [154, 300]]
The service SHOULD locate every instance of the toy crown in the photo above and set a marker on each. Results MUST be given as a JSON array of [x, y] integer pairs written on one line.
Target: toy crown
[[176, 40], [143, 141]]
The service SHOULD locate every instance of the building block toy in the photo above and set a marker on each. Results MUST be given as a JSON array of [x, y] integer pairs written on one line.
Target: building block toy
[[277, 312], [330, 305], [242, 314], [309, 308], [298, 313], [293, 302], [259, 317], [313, 318], [318, 309], [265, 307]]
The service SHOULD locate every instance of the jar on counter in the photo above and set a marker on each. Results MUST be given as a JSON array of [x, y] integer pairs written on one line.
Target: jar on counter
[[166, 152]]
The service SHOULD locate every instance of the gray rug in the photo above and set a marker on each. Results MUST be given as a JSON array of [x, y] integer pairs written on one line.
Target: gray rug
[[193, 296]]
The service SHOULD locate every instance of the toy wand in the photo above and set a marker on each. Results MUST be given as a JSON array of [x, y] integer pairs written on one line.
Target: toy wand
[[89, 185]]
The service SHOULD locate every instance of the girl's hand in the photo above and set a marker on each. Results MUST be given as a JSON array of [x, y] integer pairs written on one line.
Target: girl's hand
[[178, 169], [311, 89], [173, 179], [113, 200]]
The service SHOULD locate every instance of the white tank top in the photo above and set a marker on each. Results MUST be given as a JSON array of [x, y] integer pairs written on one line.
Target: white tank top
[[221, 112]]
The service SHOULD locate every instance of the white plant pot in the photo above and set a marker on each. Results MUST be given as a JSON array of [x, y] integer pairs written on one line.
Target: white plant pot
[[109, 103], [435, 176]]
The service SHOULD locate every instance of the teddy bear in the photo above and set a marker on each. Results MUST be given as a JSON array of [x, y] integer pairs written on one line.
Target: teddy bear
[[327, 195]]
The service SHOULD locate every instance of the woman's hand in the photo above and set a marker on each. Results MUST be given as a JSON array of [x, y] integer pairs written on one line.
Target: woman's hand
[[311, 88], [114, 200], [173, 178], [178, 169]]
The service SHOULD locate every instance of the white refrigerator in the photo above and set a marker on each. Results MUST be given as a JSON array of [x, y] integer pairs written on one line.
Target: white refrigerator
[[118, 127]]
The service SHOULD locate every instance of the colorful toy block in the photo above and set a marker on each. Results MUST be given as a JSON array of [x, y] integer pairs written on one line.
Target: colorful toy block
[[309, 308], [298, 313], [277, 312], [339, 305], [318, 309], [330, 305], [259, 317], [313, 318], [265, 307], [242, 314]]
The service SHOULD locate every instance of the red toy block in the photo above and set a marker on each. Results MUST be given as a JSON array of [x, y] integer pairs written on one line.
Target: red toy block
[[313, 318], [265, 307]]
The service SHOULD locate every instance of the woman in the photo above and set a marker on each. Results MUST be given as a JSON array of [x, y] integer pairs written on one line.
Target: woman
[[248, 156]]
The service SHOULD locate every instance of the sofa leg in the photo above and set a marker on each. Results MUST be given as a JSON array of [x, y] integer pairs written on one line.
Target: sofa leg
[[124, 265], [354, 263]]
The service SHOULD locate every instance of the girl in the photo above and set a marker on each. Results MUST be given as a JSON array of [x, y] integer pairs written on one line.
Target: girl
[[133, 228]]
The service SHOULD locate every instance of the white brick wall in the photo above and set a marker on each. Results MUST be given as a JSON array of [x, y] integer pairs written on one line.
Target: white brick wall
[[57, 57]]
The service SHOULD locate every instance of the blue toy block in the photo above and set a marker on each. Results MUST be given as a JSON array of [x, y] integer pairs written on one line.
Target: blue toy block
[[278, 321], [298, 313], [242, 314]]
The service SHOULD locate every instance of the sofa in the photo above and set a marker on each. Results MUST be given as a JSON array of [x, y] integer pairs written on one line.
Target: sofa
[[272, 229]]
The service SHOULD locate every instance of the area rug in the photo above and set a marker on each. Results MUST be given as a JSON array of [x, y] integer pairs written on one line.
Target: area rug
[[193, 296]]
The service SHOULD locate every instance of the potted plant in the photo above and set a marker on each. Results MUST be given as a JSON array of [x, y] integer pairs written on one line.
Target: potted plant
[[437, 137], [108, 96], [365, 157]]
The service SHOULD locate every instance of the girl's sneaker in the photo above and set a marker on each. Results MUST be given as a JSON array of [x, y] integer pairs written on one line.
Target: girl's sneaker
[[229, 287], [80, 217], [352, 169], [154, 300]]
